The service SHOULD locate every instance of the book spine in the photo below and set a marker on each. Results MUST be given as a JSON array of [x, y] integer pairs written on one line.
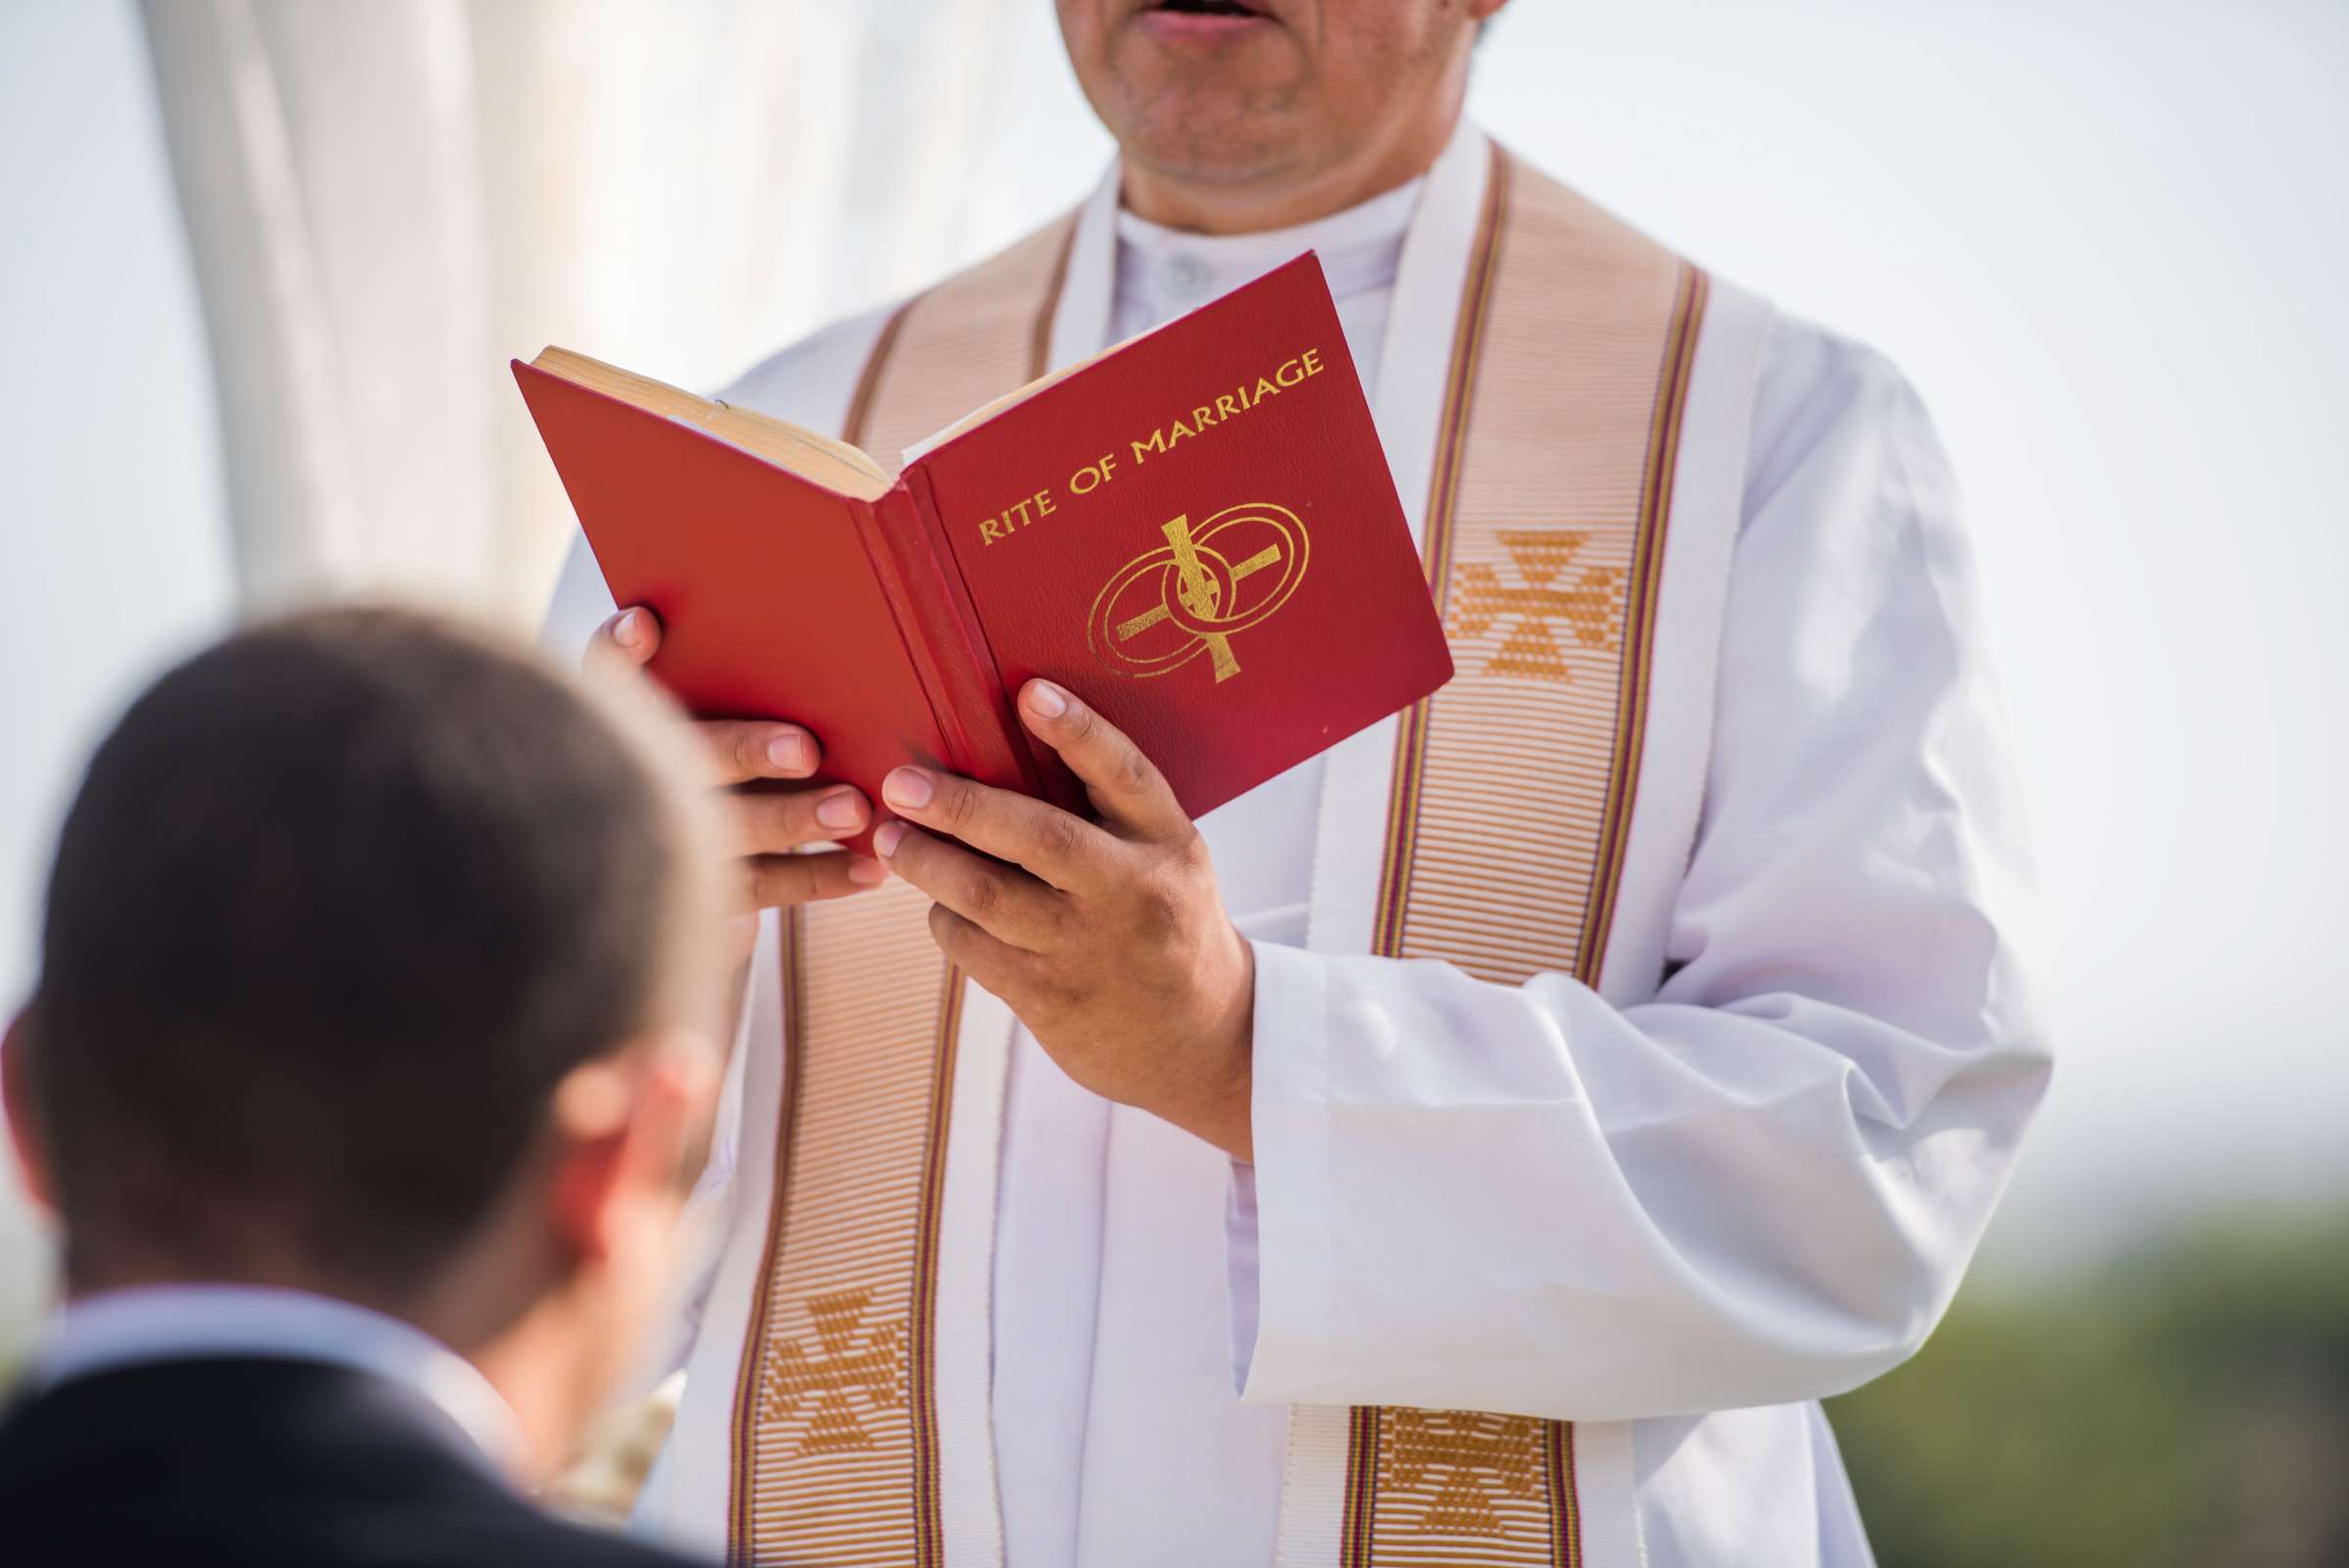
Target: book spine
[[940, 626]]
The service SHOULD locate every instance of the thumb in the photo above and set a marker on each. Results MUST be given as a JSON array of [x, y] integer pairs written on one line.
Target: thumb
[[630, 638]]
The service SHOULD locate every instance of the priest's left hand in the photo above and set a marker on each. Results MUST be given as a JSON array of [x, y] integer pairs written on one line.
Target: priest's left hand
[[1109, 941]]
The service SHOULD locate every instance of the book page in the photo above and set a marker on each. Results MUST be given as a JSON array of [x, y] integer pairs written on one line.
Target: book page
[[835, 465]]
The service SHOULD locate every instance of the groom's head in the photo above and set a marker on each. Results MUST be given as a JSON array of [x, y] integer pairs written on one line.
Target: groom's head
[[376, 963]]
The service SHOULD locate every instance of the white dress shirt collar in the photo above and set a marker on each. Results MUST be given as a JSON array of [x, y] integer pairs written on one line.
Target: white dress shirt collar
[[1175, 270], [181, 1323]]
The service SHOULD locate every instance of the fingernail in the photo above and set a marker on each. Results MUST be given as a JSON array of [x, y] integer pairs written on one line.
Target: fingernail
[[1045, 700], [629, 632], [908, 789], [791, 750], [840, 810], [885, 838], [869, 873]]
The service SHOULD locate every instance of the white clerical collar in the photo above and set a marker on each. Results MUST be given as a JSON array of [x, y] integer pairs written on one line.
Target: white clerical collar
[[1176, 270], [180, 1323]]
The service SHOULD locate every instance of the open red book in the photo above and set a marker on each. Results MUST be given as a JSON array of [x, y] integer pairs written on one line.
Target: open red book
[[1195, 531]]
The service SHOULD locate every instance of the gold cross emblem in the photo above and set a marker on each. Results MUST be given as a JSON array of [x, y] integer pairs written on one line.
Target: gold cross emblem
[[1197, 591], [1591, 609], [1471, 1461], [814, 1392]]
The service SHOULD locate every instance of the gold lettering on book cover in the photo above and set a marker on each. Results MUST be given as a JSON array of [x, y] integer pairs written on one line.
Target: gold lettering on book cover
[[1538, 606], [1008, 521], [1197, 591], [855, 1362]]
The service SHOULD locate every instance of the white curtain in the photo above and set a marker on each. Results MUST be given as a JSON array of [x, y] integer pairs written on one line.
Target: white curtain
[[386, 201]]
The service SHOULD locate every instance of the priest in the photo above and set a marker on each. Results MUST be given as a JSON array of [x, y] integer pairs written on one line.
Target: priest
[[1486, 1142]]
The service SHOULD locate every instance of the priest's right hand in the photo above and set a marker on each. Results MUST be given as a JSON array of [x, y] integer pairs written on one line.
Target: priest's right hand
[[750, 760]]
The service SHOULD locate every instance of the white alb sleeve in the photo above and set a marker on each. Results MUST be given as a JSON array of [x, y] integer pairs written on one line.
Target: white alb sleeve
[[1763, 1185]]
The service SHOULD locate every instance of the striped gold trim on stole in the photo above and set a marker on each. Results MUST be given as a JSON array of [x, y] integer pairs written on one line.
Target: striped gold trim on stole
[[1639, 639], [964, 343], [868, 383], [1513, 784], [1434, 547], [834, 1453]]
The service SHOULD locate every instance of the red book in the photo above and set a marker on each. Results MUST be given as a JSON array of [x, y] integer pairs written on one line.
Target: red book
[[1194, 532]]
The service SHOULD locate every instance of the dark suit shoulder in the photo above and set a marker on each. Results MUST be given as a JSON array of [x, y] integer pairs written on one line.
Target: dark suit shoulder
[[264, 1463], [544, 1539]]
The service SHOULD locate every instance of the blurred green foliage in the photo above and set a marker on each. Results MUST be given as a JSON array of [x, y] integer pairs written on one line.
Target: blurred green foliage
[[2185, 1405]]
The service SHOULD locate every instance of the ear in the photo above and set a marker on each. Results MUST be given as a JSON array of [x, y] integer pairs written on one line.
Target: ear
[[623, 1133], [23, 1120]]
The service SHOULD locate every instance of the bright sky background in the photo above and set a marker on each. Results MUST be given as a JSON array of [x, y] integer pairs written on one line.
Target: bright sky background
[[2102, 237]]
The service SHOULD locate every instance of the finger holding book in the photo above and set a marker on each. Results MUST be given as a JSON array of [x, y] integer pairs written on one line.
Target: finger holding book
[[1127, 789], [740, 749], [748, 759], [1025, 914], [1111, 942], [1058, 850]]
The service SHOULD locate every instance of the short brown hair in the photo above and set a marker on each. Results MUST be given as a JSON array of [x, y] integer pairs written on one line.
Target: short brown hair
[[339, 904]]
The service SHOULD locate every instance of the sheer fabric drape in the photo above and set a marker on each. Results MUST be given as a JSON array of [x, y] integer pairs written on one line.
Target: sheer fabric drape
[[386, 201]]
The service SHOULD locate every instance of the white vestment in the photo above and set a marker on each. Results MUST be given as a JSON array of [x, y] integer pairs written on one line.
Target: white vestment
[[1763, 1185]]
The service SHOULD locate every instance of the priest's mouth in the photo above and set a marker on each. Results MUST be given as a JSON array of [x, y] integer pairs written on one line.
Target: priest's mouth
[[1204, 21]]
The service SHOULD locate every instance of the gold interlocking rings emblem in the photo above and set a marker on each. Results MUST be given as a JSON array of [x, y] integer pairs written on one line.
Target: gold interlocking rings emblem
[[1197, 591]]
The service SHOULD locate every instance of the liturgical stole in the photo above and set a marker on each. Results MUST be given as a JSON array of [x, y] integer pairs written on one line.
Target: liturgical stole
[[1545, 534]]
